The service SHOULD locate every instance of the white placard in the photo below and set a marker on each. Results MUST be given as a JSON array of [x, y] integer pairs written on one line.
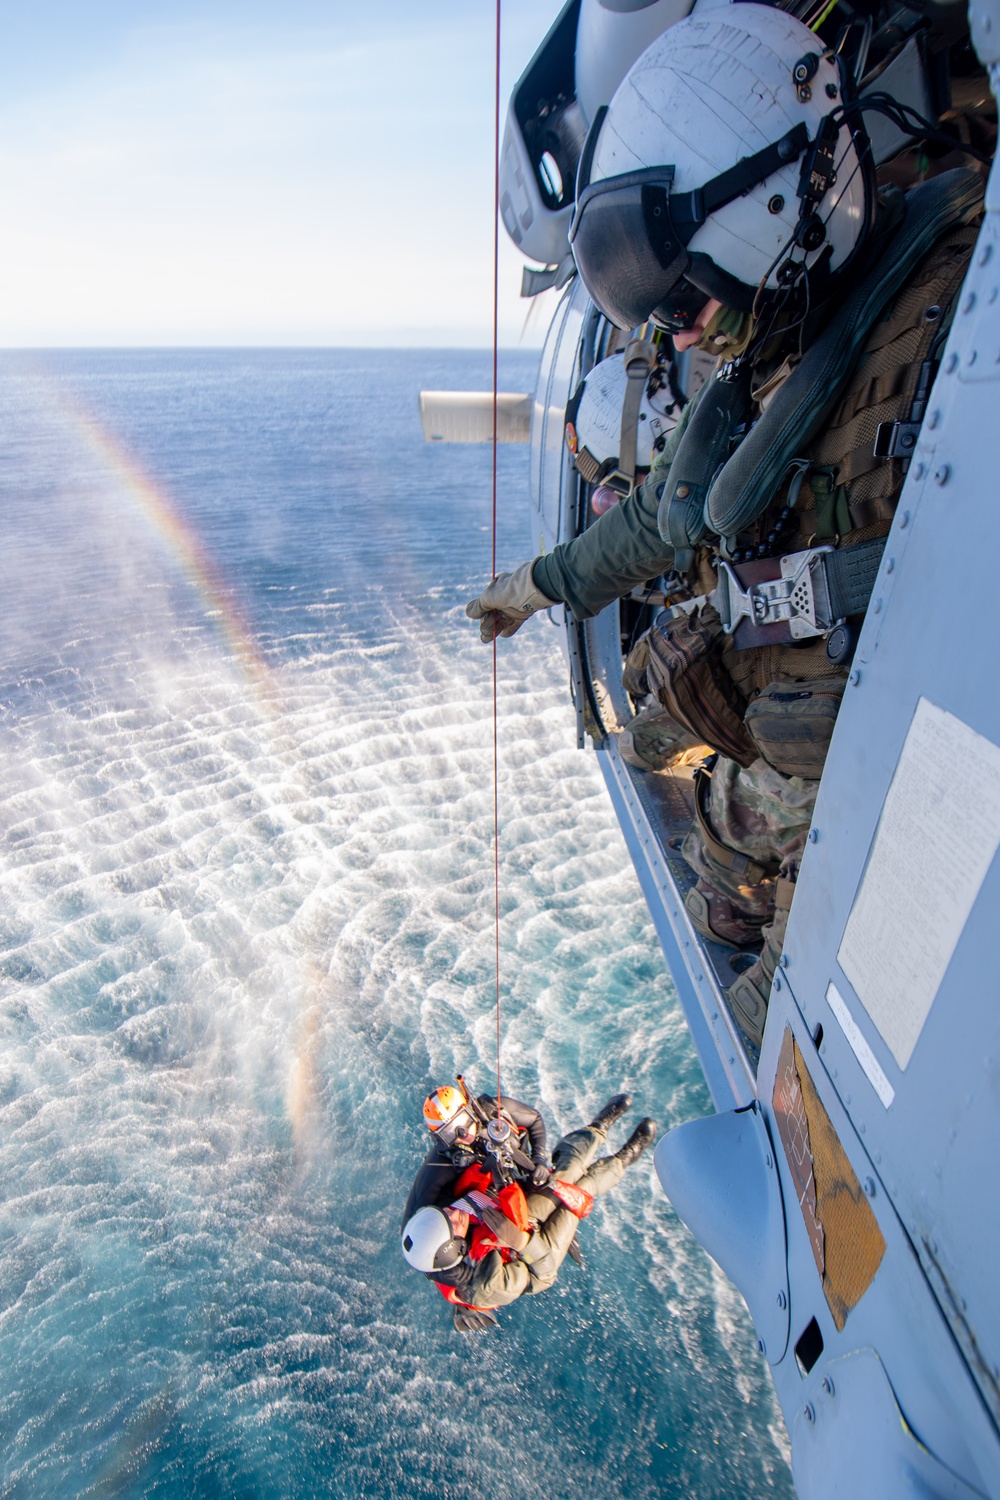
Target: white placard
[[935, 841], [870, 1065]]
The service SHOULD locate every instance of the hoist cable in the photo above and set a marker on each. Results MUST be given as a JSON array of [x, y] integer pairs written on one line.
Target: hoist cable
[[496, 306]]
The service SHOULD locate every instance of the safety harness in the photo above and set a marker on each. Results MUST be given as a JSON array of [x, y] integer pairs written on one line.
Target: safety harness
[[492, 1210], [707, 490], [847, 490]]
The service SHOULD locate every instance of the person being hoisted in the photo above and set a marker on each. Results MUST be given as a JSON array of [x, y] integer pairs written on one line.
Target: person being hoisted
[[458, 1122], [491, 1244]]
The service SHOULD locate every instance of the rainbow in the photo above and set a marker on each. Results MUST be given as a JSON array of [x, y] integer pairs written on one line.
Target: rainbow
[[183, 543]]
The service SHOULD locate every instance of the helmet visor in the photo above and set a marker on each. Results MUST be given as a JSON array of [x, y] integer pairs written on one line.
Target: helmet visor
[[625, 246], [460, 1125], [630, 233]]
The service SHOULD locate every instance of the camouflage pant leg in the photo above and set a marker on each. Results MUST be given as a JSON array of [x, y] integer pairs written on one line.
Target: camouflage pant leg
[[759, 813], [653, 740], [751, 990]]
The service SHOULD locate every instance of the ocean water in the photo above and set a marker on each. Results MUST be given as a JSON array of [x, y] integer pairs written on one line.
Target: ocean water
[[246, 921]]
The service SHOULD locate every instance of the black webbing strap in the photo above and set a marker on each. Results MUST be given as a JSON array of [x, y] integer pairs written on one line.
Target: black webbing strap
[[851, 574], [640, 361], [692, 209]]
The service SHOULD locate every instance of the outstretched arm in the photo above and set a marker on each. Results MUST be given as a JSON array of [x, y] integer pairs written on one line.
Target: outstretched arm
[[623, 548]]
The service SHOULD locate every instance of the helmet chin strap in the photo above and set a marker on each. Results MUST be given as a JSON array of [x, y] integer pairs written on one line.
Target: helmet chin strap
[[689, 211], [640, 357]]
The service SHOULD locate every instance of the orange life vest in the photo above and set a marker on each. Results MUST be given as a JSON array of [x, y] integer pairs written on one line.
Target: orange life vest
[[512, 1204], [575, 1198]]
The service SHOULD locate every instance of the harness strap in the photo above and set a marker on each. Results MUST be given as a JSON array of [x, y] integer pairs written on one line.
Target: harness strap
[[640, 358], [862, 460], [870, 512], [744, 487], [749, 871], [880, 388], [851, 574]]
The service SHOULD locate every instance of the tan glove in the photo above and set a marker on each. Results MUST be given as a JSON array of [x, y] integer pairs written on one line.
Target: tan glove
[[506, 603]]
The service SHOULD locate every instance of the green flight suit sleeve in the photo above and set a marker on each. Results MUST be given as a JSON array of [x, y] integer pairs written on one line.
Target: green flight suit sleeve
[[621, 549]]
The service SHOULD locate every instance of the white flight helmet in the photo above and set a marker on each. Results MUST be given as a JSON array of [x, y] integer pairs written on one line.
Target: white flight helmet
[[722, 165], [428, 1242], [594, 422]]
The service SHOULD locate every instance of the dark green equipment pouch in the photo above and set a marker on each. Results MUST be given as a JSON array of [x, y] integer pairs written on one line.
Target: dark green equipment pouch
[[791, 723]]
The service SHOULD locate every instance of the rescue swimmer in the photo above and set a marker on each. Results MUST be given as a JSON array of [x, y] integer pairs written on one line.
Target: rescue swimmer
[[494, 1243], [727, 195], [458, 1122]]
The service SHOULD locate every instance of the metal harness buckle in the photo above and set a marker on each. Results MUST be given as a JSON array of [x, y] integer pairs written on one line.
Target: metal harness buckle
[[800, 598]]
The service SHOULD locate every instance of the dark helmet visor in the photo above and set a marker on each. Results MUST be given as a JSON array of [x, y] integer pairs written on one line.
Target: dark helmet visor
[[624, 244], [630, 233]]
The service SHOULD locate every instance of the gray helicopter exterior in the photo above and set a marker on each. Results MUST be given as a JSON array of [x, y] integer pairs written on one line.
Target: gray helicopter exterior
[[846, 1184]]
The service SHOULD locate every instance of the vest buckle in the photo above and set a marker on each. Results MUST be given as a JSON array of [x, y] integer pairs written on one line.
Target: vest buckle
[[796, 596], [896, 439]]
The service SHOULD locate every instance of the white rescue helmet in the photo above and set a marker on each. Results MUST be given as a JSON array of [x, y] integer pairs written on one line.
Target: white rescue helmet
[[594, 421], [428, 1242], [723, 165]]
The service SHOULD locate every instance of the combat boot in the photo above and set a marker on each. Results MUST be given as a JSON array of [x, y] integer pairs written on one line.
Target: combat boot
[[642, 1136], [612, 1111]]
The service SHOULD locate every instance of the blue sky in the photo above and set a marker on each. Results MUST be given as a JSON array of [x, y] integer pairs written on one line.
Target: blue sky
[[251, 173]]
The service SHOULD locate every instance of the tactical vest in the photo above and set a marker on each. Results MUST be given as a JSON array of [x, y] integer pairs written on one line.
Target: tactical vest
[[845, 487], [710, 490], [857, 464]]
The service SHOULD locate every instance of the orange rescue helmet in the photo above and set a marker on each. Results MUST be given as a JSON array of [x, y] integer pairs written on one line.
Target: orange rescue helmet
[[446, 1107]]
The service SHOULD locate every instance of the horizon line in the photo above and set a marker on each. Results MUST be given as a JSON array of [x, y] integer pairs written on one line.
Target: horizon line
[[259, 348]]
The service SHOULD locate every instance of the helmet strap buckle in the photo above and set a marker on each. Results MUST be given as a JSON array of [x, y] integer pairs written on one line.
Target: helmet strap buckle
[[818, 170]]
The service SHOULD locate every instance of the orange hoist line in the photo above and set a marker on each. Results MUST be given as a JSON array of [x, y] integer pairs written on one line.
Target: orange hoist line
[[496, 305]]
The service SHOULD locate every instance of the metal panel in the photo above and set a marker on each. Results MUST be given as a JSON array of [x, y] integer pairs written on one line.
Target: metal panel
[[882, 1456], [933, 1131], [719, 1173], [896, 1315]]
